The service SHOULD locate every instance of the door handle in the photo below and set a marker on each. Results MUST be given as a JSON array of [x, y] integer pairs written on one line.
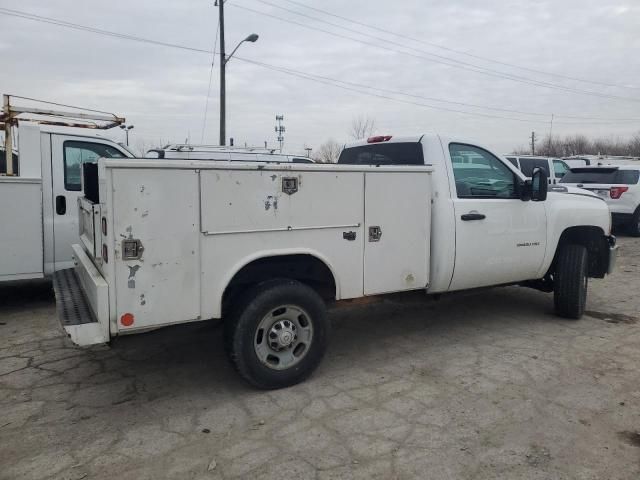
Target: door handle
[[61, 204], [473, 216]]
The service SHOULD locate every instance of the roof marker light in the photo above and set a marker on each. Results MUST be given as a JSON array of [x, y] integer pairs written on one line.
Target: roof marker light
[[379, 138]]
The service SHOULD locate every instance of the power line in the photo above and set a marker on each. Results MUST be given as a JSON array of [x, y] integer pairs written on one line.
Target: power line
[[339, 84], [438, 58], [397, 92], [460, 52], [62, 23], [326, 80]]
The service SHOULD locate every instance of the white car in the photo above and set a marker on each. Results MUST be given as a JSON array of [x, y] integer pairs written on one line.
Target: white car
[[618, 185], [554, 167]]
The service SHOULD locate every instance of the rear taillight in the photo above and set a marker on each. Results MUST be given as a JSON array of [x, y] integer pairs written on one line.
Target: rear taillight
[[104, 226], [105, 253], [616, 192]]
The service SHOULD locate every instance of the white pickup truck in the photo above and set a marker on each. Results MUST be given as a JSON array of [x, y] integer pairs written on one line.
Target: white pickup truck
[[266, 247], [39, 187]]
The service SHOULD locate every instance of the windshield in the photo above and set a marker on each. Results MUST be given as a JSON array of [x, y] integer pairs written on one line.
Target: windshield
[[601, 175]]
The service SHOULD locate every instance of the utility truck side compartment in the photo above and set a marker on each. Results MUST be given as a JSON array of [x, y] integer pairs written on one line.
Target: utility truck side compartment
[[197, 225]]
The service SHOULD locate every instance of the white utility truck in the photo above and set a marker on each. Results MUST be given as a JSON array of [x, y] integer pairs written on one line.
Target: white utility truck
[[40, 184], [265, 247]]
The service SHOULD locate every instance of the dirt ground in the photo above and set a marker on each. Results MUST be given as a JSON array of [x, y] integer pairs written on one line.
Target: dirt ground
[[482, 385]]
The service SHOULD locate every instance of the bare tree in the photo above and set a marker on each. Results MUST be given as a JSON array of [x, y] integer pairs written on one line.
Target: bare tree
[[579, 144], [362, 126], [328, 152]]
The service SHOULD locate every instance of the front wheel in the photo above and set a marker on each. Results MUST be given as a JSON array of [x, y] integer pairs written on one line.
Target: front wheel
[[277, 335], [570, 281]]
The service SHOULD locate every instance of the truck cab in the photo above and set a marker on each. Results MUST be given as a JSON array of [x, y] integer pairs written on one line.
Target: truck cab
[[44, 180]]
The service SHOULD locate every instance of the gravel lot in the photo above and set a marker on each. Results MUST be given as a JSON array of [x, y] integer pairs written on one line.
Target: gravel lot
[[482, 385]]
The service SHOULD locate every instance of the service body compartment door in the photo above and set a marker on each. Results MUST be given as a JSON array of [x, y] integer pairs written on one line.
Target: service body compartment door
[[160, 208], [397, 231], [249, 214]]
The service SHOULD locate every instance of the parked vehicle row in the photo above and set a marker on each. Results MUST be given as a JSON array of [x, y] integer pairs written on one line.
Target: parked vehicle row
[[267, 247], [554, 167], [45, 180], [618, 186]]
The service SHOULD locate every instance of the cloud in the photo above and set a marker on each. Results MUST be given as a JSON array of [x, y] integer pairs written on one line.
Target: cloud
[[162, 91]]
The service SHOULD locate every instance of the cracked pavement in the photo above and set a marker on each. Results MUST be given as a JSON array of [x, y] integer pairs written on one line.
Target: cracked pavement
[[481, 385]]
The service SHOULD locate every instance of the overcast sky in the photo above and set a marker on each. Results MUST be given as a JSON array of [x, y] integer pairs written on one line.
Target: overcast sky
[[162, 90]]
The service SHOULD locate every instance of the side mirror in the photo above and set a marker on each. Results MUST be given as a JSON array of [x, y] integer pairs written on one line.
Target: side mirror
[[539, 185]]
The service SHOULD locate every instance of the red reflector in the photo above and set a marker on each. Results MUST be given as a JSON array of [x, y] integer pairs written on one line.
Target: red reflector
[[105, 253], [127, 319], [616, 192], [379, 138], [104, 226]]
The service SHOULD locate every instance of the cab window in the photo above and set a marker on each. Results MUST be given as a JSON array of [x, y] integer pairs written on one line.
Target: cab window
[[479, 174], [76, 153], [527, 165], [560, 168]]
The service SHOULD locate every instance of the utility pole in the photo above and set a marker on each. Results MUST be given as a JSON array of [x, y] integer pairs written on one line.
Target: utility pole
[[533, 143], [280, 130], [551, 135], [223, 98], [308, 149]]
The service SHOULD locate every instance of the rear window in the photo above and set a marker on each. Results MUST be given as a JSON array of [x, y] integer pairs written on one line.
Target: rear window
[[528, 164], [601, 175], [383, 154]]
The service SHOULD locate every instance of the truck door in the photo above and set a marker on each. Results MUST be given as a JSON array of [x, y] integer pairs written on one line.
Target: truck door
[[499, 238], [68, 153]]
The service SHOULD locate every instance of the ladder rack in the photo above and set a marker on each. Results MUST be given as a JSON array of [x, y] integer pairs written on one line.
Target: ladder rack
[[77, 117]]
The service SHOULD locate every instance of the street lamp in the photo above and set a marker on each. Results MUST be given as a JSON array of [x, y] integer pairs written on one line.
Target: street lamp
[[126, 129], [223, 63], [223, 91]]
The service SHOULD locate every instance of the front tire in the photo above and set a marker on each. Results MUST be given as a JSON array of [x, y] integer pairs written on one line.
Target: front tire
[[277, 334], [570, 282]]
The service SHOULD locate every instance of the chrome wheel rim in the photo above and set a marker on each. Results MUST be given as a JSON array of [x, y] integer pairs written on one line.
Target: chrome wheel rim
[[283, 337]]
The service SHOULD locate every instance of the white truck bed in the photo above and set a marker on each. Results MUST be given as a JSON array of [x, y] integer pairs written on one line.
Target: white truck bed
[[199, 224], [21, 257]]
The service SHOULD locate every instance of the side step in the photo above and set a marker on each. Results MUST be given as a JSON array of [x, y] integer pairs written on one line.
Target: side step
[[74, 311]]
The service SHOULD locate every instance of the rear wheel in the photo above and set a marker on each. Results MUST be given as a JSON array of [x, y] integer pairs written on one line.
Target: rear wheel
[[634, 226], [277, 335], [570, 281]]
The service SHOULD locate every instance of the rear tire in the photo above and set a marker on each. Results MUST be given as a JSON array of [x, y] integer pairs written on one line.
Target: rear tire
[[634, 226], [277, 334], [570, 282]]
